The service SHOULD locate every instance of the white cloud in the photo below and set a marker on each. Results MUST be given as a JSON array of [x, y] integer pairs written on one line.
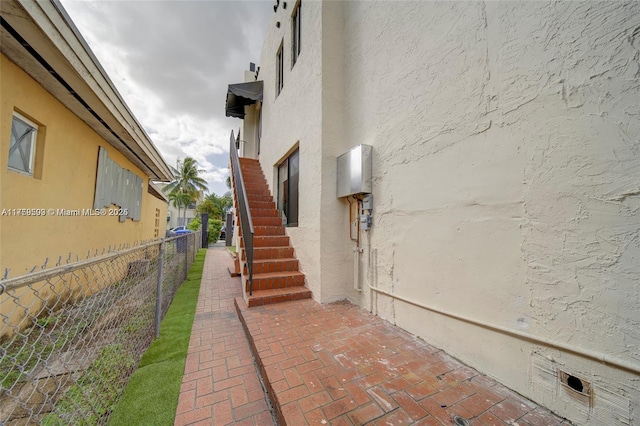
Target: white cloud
[[172, 61]]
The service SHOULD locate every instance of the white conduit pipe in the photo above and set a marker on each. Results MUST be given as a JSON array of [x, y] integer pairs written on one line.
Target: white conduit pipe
[[356, 268], [606, 359]]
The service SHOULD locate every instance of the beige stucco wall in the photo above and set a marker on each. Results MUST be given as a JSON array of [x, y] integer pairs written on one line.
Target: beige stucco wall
[[291, 118], [69, 162], [505, 174]]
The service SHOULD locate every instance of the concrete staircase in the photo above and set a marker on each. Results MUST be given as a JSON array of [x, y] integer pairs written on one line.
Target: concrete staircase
[[276, 274]]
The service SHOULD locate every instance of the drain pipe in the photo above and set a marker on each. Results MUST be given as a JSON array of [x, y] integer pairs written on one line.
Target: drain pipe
[[357, 249], [356, 268], [586, 353]]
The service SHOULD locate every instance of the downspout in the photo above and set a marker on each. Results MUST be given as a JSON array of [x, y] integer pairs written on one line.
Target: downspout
[[357, 250]]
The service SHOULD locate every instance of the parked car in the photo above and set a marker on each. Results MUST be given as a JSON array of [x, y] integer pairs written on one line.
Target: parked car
[[178, 230], [223, 232]]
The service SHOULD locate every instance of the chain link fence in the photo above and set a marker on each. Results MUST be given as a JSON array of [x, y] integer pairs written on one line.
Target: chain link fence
[[71, 336]]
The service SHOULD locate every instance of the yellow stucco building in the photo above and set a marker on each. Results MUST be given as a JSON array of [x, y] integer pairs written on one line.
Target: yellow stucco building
[[75, 165]]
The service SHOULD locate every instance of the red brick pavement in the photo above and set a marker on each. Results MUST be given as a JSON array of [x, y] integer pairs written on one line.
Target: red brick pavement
[[338, 364], [220, 384], [330, 364]]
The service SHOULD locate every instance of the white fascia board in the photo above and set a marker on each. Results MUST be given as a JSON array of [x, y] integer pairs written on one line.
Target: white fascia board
[[48, 30]]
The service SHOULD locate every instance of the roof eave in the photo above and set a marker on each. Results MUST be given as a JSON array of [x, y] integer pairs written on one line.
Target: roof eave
[[53, 52]]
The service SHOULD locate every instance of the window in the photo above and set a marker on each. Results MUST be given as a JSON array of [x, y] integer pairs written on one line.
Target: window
[[23, 144], [288, 176], [295, 34], [279, 70]]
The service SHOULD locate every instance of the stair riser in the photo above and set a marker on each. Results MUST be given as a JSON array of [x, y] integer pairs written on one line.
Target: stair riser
[[271, 241], [270, 253], [253, 192], [260, 204], [254, 198], [263, 212], [264, 231], [253, 177], [276, 282], [270, 300], [262, 268], [267, 221]]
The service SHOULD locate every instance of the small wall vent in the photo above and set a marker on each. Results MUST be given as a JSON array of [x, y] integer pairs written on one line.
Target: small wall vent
[[576, 387]]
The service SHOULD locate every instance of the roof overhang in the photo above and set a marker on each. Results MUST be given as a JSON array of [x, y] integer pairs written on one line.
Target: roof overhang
[[155, 190], [40, 38], [241, 95]]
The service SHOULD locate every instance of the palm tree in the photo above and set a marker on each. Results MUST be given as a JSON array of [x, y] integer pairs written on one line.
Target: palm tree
[[186, 184], [179, 199], [186, 177]]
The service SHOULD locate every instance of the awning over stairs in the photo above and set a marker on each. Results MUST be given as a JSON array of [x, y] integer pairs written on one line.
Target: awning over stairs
[[240, 95]]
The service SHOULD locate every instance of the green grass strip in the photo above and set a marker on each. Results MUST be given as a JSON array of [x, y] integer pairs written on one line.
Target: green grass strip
[[151, 397]]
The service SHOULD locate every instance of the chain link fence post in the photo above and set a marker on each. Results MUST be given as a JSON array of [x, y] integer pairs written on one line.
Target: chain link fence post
[[159, 290], [186, 255], [72, 334]]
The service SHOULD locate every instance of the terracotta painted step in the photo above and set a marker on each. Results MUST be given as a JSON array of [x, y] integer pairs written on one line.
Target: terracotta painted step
[[255, 181], [269, 297], [273, 265], [257, 184], [260, 253], [271, 280], [263, 212], [266, 230], [257, 189], [255, 197], [251, 172], [266, 221], [268, 241], [244, 160], [263, 231], [259, 204]]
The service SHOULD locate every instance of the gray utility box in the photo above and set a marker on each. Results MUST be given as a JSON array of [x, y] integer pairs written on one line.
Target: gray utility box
[[354, 171]]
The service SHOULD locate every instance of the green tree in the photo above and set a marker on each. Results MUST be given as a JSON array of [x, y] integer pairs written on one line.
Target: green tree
[[186, 184], [209, 207], [216, 206], [180, 199]]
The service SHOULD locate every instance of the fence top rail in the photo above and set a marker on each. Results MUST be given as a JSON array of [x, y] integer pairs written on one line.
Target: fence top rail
[[30, 278]]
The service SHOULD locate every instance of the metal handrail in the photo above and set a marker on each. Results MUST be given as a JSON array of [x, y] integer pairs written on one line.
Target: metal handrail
[[243, 209]]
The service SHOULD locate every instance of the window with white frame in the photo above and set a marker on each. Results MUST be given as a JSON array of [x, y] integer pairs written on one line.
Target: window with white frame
[[279, 70], [295, 34], [22, 147]]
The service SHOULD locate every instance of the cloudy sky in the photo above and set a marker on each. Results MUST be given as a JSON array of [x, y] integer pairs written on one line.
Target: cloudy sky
[[172, 61]]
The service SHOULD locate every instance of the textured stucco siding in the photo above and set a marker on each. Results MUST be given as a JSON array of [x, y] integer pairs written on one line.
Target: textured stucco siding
[[506, 178], [294, 117], [69, 158]]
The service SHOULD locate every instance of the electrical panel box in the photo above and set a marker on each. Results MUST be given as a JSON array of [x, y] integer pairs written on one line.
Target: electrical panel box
[[354, 171]]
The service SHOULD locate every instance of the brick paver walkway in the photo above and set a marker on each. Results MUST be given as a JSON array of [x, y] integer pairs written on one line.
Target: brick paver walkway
[[338, 364], [327, 364], [220, 384]]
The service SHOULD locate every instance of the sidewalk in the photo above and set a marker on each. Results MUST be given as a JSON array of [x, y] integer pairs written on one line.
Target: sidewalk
[[220, 384], [327, 364]]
